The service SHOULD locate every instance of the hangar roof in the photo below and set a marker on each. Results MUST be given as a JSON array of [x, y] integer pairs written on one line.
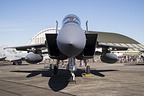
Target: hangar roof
[[103, 37], [107, 37]]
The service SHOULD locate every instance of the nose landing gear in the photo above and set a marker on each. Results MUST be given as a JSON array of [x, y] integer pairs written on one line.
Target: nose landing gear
[[72, 68], [72, 79]]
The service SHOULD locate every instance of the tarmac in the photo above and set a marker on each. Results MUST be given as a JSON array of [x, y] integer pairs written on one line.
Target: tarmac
[[104, 80]]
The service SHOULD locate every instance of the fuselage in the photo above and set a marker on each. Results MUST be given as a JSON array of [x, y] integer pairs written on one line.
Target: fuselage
[[71, 39]]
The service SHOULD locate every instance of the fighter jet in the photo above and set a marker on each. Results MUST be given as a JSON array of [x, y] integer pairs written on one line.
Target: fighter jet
[[71, 43], [12, 55]]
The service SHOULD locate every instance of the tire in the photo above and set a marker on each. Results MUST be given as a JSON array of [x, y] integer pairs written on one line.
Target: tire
[[88, 70]]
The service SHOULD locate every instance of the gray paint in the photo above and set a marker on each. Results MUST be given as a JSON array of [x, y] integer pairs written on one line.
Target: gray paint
[[71, 39], [33, 57]]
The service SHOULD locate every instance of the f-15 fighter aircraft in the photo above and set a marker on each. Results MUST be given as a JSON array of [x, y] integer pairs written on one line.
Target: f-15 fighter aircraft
[[71, 43]]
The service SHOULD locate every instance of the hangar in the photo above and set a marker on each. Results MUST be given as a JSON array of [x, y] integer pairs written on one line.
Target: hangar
[[103, 37]]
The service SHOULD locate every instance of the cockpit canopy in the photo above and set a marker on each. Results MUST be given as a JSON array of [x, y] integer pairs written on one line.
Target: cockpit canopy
[[71, 18]]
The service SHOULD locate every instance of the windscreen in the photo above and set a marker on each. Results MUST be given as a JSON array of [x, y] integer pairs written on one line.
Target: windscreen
[[71, 18]]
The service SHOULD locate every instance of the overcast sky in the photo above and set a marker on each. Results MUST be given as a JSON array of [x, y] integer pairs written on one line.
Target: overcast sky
[[20, 20]]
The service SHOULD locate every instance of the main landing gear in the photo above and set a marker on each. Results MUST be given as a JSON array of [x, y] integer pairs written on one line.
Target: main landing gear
[[87, 69], [55, 72]]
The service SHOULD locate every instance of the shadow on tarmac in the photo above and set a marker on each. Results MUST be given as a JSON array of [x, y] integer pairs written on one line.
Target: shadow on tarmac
[[61, 80], [56, 82]]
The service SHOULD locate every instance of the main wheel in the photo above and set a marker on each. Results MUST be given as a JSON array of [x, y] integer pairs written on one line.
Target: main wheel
[[87, 69]]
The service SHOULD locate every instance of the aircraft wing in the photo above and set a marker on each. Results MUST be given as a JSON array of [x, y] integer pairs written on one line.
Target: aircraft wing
[[28, 47], [112, 47]]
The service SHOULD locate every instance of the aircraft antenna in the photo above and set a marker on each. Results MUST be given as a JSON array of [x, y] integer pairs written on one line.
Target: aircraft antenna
[[56, 27], [86, 26]]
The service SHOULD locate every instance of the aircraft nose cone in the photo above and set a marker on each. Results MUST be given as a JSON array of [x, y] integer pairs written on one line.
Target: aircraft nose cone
[[71, 40], [69, 48]]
